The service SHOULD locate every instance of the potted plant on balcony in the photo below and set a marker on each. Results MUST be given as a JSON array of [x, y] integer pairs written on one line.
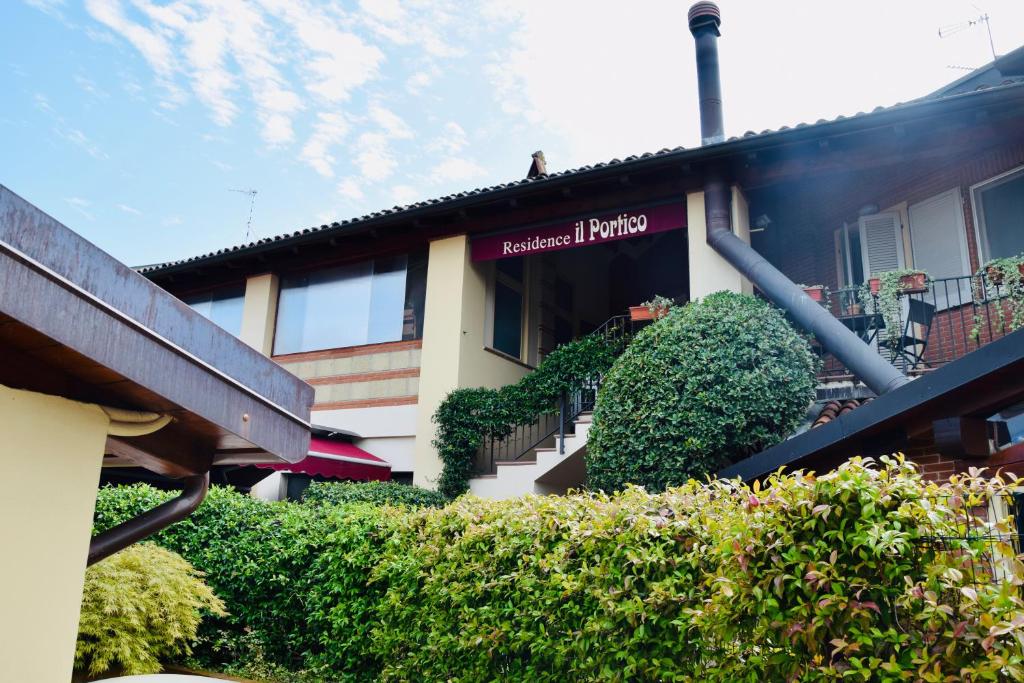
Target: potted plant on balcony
[[1001, 281], [883, 292], [816, 292], [657, 307]]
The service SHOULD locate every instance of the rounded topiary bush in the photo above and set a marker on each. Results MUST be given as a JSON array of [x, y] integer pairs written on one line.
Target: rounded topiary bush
[[712, 382]]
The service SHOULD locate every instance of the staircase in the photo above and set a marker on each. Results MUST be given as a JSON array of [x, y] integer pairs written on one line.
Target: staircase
[[552, 470]]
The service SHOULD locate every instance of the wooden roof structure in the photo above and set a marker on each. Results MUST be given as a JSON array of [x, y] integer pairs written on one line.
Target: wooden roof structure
[[75, 322]]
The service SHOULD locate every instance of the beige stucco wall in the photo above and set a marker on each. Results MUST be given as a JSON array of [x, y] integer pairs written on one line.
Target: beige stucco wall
[[709, 272], [51, 455], [453, 353], [259, 312]]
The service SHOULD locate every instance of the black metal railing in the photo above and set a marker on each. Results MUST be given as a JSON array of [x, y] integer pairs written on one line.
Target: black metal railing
[[551, 427], [946, 320]]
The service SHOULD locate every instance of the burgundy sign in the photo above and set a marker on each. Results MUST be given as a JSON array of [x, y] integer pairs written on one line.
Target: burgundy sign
[[582, 232]]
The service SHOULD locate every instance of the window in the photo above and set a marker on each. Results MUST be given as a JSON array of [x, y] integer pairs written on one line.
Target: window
[[221, 306], [507, 333], [353, 304], [851, 265], [999, 214]]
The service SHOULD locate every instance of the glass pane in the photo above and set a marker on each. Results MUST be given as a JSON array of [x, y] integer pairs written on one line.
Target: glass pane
[[1003, 207], [512, 267], [508, 319], [415, 296], [325, 309], [856, 257], [221, 306], [387, 300]]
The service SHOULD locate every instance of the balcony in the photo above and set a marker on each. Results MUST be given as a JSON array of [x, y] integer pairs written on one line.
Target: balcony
[[924, 329]]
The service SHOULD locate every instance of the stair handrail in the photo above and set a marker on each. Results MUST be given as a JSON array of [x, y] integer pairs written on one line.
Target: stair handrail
[[617, 328]]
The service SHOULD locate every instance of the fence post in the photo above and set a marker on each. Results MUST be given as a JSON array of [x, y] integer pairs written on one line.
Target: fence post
[[561, 424]]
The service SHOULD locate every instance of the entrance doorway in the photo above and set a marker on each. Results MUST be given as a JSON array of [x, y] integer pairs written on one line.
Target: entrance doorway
[[539, 301]]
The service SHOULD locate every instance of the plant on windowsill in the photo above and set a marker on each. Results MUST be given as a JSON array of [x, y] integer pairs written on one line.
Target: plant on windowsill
[[882, 295], [1001, 281], [658, 307]]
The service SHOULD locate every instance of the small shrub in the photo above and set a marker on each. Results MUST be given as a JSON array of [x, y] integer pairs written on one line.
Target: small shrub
[[139, 606], [711, 382], [376, 492]]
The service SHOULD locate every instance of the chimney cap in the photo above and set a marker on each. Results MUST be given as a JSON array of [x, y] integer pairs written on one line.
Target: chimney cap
[[703, 14]]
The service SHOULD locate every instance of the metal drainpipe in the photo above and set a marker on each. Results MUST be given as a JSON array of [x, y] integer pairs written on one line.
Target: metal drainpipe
[[879, 375], [162, 516]]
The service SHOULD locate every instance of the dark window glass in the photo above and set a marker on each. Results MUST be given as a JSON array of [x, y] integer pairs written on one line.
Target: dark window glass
[[415, 296], [508, 319], [1002, 209], [221, 306], [563, 294], [512, 267], [563, 331]]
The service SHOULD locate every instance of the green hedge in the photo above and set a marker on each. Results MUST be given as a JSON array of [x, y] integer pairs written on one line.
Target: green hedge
[[256, 556], [855, 575], [468, 416], [376, 492], [140, 606], [712, 382]]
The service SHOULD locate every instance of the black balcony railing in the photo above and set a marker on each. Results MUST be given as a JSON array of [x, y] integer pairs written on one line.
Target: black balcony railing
[[924, 329]]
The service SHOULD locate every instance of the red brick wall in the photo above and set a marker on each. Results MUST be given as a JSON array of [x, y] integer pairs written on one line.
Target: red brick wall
[[933, 466]]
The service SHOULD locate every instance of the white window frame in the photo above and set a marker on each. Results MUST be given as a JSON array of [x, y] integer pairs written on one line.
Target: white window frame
[[980, 238]]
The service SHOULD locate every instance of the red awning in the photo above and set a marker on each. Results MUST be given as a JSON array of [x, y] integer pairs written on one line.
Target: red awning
[[337, 460]]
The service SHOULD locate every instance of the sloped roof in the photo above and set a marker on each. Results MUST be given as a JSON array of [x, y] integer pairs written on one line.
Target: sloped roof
[[631, 163]]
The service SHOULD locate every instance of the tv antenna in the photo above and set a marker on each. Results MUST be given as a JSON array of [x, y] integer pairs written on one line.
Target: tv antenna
[[983, 18], [249, 234]]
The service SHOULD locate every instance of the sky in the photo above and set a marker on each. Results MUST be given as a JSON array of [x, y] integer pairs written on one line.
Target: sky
[[142, 125]]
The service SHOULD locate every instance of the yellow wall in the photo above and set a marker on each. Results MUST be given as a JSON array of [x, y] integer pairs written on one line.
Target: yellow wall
[[259, 312], [453, 354], [51, 457], [709, 272]]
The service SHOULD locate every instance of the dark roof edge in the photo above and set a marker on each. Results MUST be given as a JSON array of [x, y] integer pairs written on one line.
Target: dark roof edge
[[884, 413], [749, 142]]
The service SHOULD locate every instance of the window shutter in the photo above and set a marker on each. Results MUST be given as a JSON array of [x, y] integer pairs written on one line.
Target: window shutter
[[881, 243], [940, 246]]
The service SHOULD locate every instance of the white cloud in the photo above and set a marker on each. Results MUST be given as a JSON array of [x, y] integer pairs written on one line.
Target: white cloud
[[374, 159], [455, 169], [129, 209], [221, 165], [452, 140], [171, 221], [66, 132], [385, 10], [350, 189], [328, 131], [390, 122], [89, 87], [404, 194], [81, 206]]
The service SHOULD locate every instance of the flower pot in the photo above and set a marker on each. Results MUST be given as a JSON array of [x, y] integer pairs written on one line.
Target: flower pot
[[994, 275], [645, 313], [913, 283], [817, 293], [876, 285], [854, 309]]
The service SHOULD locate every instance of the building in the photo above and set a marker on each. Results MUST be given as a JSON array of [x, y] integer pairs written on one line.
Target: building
[[386, 313], [102, 367]]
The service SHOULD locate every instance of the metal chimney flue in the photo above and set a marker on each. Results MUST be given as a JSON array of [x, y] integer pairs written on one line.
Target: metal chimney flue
[[704, 19], [864, 361]]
